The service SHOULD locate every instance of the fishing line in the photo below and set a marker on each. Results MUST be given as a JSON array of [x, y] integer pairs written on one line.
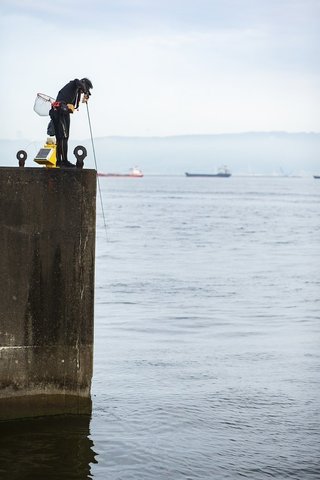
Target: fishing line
[[95, 162]]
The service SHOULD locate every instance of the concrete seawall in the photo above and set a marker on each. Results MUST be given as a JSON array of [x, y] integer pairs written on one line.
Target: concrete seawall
[[47, 258]]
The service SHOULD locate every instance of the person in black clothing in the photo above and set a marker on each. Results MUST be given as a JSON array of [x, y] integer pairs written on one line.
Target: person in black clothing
[[67, 100]]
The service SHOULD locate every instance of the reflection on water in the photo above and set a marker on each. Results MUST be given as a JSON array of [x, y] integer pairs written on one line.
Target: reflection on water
[[51, 448]]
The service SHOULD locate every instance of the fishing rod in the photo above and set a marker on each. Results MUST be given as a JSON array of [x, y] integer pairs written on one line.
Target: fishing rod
[[95, 162]]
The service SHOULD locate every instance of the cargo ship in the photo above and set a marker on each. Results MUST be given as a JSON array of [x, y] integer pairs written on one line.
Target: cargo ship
[[222, 172], [133, 173]]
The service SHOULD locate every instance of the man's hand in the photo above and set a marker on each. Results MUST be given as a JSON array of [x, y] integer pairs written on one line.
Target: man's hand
[[85, 98], [70, 107]]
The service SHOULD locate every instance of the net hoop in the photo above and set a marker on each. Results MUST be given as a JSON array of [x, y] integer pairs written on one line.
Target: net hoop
[[42, 104]]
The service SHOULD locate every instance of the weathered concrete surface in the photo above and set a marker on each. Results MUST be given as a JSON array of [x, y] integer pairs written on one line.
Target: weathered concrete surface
[[47, 256]]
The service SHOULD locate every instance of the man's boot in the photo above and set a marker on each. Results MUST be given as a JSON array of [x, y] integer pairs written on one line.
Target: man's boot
[[64, 155], [66, 164]]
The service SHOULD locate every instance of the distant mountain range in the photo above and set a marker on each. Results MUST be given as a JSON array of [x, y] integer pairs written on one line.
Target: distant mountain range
[[270, 153]]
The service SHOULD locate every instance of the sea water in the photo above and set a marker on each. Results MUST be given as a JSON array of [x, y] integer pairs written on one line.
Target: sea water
[[207, 337]]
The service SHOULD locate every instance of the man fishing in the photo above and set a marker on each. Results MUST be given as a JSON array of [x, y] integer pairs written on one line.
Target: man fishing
[[67, 101]]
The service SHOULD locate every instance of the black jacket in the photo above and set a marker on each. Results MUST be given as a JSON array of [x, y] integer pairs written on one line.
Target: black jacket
[[71, 93]]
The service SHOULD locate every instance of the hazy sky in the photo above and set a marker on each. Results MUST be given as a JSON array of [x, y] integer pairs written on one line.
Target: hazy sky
[[163, 67]]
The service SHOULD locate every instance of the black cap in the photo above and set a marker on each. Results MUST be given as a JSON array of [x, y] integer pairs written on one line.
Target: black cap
[[86, 85]]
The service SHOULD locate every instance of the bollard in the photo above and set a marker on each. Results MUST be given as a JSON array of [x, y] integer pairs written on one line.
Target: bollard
[[22, 157], [80, 153]]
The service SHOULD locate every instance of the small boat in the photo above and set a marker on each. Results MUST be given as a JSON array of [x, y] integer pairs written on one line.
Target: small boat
[[222, 172], [316, 176], [133, 173]]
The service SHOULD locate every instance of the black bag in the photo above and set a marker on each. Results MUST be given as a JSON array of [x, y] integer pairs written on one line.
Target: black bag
[[50, 129]]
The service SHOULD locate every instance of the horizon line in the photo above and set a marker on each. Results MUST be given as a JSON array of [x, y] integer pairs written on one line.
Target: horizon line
[[249, 132]]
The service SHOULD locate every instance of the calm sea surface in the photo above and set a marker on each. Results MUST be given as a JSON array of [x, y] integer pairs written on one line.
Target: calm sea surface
[[207, 338]]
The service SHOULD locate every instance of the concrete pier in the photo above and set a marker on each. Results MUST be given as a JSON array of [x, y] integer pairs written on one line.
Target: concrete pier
[[47, 259]]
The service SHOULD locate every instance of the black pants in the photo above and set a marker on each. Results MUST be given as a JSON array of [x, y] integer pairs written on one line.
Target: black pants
[[61, 123]]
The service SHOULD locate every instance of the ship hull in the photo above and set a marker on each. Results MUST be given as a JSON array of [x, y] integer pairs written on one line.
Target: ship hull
[[119, 175], [223, 175]]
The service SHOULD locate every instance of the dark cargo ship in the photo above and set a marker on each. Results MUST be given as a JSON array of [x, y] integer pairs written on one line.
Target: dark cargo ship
[[222, 172]]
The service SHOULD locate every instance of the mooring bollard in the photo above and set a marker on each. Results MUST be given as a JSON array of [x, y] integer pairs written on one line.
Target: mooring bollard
[[80, 153], [22, 157]]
